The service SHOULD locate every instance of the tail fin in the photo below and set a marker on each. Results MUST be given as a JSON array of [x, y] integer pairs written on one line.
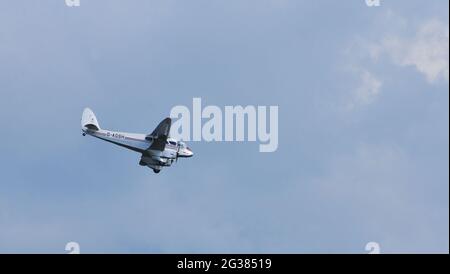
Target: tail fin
[[89, 121]]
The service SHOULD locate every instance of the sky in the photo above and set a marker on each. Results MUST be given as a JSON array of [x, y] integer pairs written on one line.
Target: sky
[[363, 153]]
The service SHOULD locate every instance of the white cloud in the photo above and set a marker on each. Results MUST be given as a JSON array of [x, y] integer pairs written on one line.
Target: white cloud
[[368, 89], [427, 51]]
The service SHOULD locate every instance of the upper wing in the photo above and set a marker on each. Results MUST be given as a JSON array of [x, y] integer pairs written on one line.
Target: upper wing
[[160, 135], [163, 129]]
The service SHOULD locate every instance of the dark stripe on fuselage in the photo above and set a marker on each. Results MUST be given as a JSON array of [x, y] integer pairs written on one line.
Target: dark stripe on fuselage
[[134, 139], [119, 144]]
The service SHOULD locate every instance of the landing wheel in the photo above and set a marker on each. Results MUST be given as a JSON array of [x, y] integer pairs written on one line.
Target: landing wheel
[[156, 170], [84, 134]]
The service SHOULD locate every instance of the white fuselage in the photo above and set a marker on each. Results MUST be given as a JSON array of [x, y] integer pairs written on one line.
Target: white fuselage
[[139, 143]]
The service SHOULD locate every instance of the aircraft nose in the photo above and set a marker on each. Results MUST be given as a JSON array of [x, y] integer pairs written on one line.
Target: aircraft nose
[[190, 153]]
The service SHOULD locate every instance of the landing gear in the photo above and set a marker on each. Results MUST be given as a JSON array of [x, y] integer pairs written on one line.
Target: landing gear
[[84, 134], [156, 170]]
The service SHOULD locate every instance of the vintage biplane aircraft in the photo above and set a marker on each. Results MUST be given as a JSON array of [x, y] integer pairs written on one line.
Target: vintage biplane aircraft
[[158, 150]]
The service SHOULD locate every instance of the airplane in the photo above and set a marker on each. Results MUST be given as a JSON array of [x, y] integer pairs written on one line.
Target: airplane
[[157, 149]]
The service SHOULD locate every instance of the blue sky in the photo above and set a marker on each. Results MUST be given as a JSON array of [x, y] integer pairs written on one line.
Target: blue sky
[[363, 126]]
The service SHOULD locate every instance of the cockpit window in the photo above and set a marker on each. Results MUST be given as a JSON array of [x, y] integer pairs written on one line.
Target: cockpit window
[[173, 143]]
